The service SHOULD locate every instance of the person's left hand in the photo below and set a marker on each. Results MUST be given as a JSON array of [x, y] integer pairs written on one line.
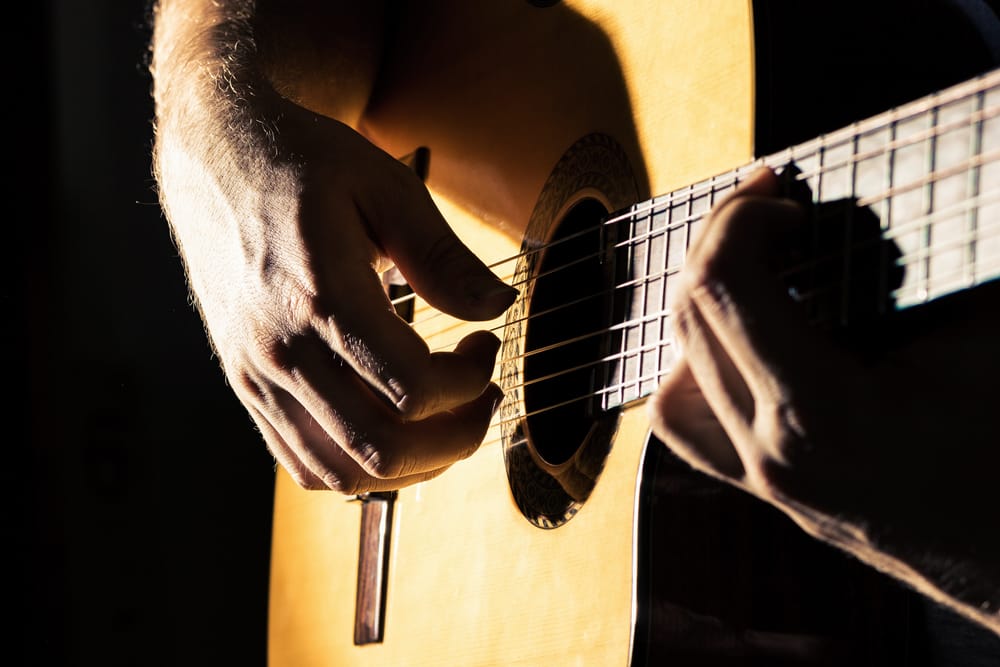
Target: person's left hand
[[895, 461]]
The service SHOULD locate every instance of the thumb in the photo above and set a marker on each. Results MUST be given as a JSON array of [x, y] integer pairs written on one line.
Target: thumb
[[435, 262]]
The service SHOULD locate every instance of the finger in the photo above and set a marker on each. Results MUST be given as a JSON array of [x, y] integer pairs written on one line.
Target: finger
[[257, 400], [373, 434], [284, 454], [744, 302], [720, 383], [683, 420], [306, 452], [357, 321], [763, 182], [325, 459], [316, 461], [435, 262]]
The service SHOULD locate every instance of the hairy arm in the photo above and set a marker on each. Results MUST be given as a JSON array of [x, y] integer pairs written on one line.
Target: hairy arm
[[286, 217]]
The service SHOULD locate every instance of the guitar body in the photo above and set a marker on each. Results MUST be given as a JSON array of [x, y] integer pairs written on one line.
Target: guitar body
[[651, 563]]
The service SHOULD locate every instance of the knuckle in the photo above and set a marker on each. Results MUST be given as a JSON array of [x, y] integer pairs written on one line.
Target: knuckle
[[381, 464], [779, 424], [364, 447], [304, 479], [415, 397], [347, 485], [387, 463], [273, 349], [247, 387], [412, 404]]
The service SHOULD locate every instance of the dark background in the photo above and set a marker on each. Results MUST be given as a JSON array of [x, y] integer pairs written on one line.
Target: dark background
[[142, 494]]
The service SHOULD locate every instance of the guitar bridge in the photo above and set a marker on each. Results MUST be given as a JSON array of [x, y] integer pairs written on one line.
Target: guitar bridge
[[373, 566]]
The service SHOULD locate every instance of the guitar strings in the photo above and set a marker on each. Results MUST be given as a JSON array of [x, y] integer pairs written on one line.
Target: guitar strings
[[720, 185], [633, 382], [662, 342], [921, 254], [969, 206], [972, 205], [510, 403], [726, 182]]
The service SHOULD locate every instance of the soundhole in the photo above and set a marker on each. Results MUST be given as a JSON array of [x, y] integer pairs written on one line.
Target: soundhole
[[565, 337], [561, 445]]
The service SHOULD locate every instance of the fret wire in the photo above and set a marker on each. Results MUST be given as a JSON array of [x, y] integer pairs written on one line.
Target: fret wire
[[845, 290], [634, 247], [664, 264], [974, 187], [635, 331], [814, 212], [886, 223], [928, 193], [620, 370], [643, 327]]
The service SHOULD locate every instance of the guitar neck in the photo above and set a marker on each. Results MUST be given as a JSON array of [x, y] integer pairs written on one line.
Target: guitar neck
[[928, 171]]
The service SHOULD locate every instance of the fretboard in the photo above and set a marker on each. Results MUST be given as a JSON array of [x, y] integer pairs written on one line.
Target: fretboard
[[929, 171]]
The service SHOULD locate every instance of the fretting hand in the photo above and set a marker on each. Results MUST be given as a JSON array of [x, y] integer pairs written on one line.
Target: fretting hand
[[892, 460]]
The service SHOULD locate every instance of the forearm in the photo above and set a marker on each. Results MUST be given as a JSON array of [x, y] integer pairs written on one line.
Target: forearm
[[205, 66], [223, 73], [961, 574], [217, 65], [321, 55]]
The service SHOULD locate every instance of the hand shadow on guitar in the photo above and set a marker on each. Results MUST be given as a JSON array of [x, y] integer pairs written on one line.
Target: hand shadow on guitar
[[842, 270], [499, 90]]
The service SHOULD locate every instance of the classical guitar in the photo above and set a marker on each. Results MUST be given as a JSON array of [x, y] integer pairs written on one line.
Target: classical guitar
[[570, 538]]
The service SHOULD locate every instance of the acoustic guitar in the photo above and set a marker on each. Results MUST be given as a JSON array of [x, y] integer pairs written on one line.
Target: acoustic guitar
[[571, 537]]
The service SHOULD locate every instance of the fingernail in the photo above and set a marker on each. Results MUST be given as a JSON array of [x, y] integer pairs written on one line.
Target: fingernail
[[497, 401]]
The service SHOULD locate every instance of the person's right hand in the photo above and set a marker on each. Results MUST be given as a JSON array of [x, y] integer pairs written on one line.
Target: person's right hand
[[284, 237]]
